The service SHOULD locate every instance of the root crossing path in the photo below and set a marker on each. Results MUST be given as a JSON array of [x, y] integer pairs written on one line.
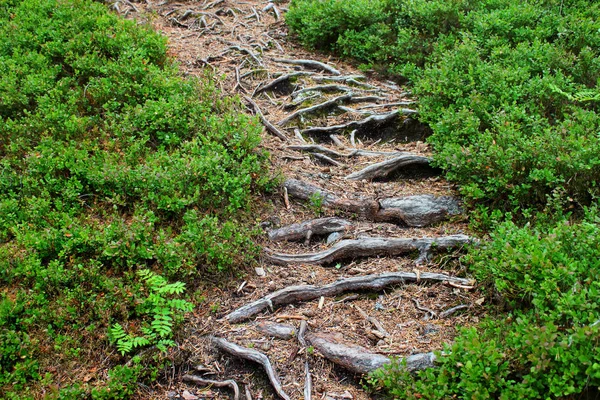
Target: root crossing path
[[361, 242]]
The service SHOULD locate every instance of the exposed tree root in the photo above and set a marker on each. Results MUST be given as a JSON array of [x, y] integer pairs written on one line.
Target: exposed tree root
[[269, 126], [251, 355], [372, 121], [321, 106], [309, 64], [294, 294], [320, 226], [280, 331], [384, 168], [283, 79], [418, 211], [358, 359], [369, 247], [209, 382]]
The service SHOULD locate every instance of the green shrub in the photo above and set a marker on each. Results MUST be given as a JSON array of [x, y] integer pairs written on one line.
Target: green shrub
[[547, 344], [110, 163], [508, 88]]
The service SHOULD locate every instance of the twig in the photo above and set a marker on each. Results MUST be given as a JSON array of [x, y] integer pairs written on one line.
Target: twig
[[209, 382], [424, 309], [373, 321], [286, 198]]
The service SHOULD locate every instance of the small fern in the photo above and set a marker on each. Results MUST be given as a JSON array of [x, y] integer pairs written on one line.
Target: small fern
[[163, 312]]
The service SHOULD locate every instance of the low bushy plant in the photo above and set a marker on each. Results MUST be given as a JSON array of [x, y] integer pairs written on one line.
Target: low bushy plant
[[110, 163]]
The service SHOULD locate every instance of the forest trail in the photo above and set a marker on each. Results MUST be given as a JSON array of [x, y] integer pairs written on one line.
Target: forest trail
[[361, 218]]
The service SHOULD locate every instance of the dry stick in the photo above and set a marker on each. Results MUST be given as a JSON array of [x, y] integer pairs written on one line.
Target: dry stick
[[373, 321], [248, 394], [316, 107], [369, 247], [209, 382], [309, 64], [424, 309], [294, 294], [251, 355], [378, 119], [452, 310], [384, 168], [270, 127], [315, 148], [320, 226], [308, 379], [286, 198], [279, 80], [359, 360]]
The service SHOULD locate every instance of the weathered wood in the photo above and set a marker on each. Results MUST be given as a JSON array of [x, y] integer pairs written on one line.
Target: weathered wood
[[305, 191], [312, 64], [419, 210], [251, 355], [279, 80], [293, 294], [369, 247], [321, 106], [280, 331], [323, 88], [209, 382], [315, 148], [308, 378], [358, 359], [320, 226], [268, 125], [384, 168], [373, 120]]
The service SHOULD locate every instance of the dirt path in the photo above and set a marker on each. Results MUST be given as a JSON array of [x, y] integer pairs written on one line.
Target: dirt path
[[247, 42]]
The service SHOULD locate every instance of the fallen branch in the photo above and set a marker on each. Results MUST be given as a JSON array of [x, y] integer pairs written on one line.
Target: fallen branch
[[293, 294], [369, 247], [375, 120], [321, 226], [269, 126], [252, 355], [359, 360], [309, 64], [209, 382], [384, 168]]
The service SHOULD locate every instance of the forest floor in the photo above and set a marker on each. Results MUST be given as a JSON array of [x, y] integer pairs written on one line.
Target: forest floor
[[247, 44]]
